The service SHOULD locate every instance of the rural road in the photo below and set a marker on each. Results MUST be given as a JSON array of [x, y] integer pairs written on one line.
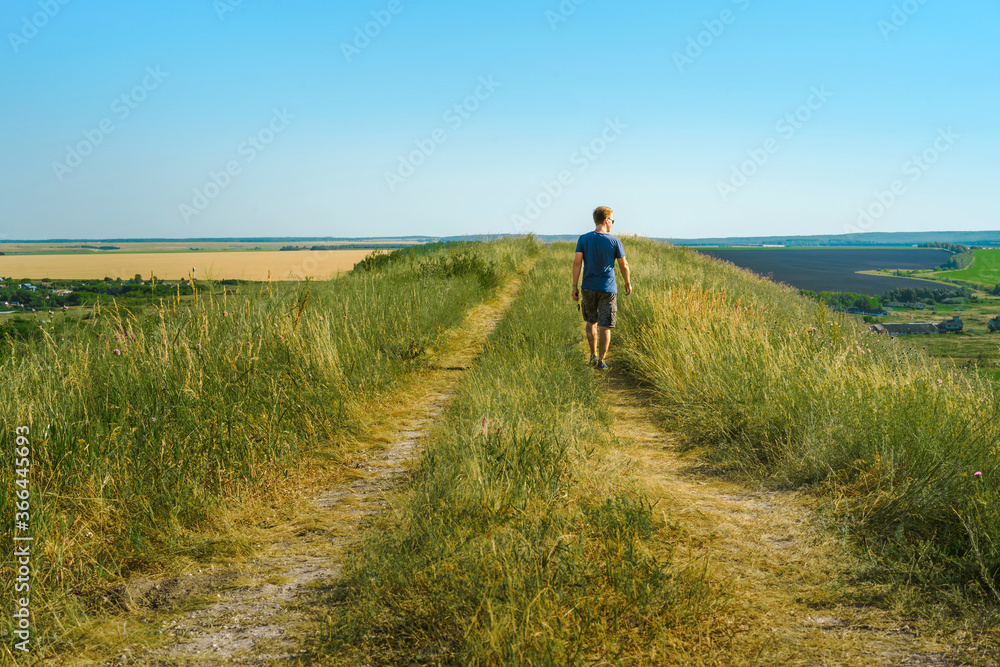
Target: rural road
[[260, 612], [787, 580]]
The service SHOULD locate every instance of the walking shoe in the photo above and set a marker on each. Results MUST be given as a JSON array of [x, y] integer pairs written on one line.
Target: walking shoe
[[593, 359], [601, 366]]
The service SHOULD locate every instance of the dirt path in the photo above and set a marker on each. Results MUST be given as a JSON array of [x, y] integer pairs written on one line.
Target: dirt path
[[259, 616], [790, 603]]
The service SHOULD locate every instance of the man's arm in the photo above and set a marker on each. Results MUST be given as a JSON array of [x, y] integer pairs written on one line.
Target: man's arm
[[577, 265], [623, 265]]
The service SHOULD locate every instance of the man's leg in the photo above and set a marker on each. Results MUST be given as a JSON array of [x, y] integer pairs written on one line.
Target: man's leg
[[592, 337], [606, 311], [605, 340]]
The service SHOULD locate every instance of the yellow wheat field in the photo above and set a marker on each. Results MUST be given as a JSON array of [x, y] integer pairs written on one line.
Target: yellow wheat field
[[288, 265]]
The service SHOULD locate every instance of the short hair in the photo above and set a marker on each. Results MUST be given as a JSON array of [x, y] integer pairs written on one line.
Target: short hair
[[602, 213]]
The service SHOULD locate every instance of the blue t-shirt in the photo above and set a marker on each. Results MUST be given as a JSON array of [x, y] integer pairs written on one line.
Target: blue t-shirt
[[599, 254]]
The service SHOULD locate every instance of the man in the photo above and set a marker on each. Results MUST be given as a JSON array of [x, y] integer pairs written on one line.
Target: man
[[596, 253]]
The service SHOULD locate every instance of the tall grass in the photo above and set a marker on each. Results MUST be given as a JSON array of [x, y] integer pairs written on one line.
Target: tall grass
[[145, 422], [782, 389], [519, 543]]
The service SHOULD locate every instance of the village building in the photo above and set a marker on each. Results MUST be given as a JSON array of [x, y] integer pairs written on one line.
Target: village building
[[953, 325], [906, 328]]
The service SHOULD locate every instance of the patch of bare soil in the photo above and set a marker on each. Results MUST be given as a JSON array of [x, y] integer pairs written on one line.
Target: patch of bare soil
[[256, 613], [785, 578]]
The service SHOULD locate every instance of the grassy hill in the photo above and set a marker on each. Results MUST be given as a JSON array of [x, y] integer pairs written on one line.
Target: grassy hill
[[522, 539]]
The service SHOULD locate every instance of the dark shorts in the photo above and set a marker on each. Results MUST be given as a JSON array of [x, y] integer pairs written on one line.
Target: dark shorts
[[599, 307]]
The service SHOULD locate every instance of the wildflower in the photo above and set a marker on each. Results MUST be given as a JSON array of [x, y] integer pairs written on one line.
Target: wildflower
[[198, 346], [117, 352], [940, 381], [812, 329], [225, 313], [154, 419], [978, 474], [320, 317]]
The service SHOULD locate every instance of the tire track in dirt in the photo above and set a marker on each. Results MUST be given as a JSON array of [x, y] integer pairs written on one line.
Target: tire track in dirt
[[785, 577], [263, 617]]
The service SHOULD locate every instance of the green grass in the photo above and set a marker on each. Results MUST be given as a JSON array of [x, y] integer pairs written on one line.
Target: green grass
[[519, 543], [984, 271], [145, 422], [783, 390]]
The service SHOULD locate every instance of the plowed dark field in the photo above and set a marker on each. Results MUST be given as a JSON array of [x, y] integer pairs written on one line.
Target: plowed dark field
[[834, 269]]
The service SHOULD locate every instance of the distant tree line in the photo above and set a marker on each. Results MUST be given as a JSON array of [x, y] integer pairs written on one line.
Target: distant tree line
[[125, 290], [86, 294], [956, 248], [962, 255], [924, 294], [874, 304], [349, 246], [846, 300]]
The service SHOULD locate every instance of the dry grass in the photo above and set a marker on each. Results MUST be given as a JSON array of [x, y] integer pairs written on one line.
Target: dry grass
[[520, 542], [790, 394], [150, 427], [300, 538], [259, 265], [784, 585]]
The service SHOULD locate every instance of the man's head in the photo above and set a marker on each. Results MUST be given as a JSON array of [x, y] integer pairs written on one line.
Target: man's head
[[602, 213]]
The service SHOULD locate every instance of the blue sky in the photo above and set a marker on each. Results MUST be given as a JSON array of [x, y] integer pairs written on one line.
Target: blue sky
[[255, 118]]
